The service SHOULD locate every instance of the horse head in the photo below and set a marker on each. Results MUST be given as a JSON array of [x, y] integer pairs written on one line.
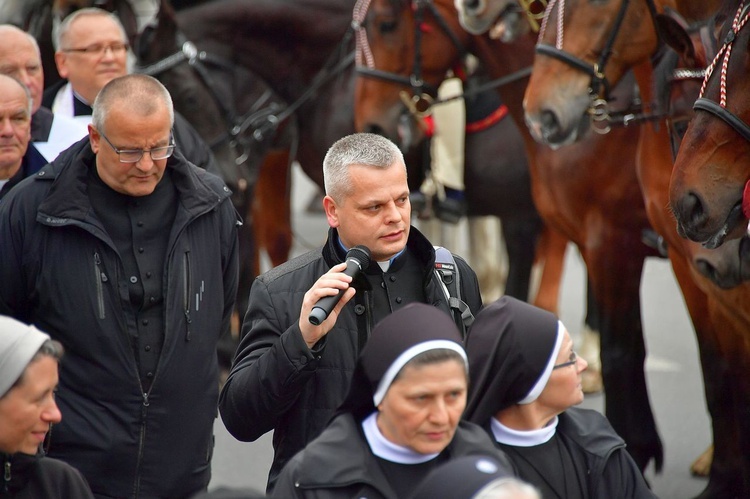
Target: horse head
[[584, 49], [710, 179], [393, 96]]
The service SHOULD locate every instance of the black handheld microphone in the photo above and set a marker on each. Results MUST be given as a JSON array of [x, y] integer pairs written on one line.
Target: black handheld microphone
[[357, 260]]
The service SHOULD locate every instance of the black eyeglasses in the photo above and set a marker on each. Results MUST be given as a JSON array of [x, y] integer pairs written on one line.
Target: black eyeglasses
[[571, 361], [100, 49], [135, 155]]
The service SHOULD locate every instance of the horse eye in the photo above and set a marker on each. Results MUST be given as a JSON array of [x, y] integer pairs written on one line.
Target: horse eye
[[387, 26]]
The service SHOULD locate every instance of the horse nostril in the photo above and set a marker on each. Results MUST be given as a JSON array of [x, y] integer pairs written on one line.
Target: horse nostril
[[690, 210], [550, 124], [472, 5], [706, 269]]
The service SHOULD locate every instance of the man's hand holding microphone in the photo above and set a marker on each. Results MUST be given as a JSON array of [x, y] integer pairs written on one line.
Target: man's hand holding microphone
[[323, 302]]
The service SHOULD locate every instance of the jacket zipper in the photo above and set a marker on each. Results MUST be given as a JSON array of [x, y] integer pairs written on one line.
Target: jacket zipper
[[141, 445], [186, 294], [99, 288], [6, 476]]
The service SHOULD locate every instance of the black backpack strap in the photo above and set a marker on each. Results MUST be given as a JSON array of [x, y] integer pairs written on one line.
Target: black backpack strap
[[449, 277]]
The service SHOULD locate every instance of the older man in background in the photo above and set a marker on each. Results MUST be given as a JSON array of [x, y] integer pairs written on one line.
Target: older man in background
[[20, 59], [15, 131], [92, 50]]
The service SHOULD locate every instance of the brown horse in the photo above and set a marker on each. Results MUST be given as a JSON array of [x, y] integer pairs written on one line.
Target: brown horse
[[708, 184], [583, 191], [557, 103]]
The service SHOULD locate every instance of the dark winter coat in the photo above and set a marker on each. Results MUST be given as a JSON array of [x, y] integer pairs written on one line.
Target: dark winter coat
[[36, 477], [611, 472], [340, 464], [277, 382], [61, 271]]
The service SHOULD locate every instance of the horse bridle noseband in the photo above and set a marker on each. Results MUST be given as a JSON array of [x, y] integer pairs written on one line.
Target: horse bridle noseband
[[719, 109], [599, 87]]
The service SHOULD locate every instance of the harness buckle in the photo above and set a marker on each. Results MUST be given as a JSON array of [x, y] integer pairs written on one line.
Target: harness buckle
[[418, 105], [599, 113]]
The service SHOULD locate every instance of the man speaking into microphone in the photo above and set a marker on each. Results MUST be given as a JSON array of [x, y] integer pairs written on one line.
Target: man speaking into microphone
[[291, 371]]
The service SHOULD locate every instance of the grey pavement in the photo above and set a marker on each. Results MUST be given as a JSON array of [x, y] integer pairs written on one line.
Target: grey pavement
[[673, 372]]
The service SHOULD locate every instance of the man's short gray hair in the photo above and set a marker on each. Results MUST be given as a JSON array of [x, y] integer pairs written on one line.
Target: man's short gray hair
[[60, 32], [16, 29], [366, 149], [141, 92]]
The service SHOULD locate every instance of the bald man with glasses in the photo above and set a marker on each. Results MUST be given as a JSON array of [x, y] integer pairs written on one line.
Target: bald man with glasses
[[126, 253]]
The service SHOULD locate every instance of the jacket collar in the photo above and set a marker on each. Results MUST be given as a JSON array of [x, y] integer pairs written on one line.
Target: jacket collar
[[354, 462], [417, 244], [68, 195], [19, 466]]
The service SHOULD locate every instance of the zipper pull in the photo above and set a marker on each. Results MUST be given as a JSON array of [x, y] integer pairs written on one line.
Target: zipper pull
[[7, 473], [189, 321]]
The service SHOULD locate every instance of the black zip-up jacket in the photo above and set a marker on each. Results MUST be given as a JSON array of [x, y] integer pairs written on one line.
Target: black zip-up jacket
[[61, 271], [340, 465], [36, 477], [277, 382]]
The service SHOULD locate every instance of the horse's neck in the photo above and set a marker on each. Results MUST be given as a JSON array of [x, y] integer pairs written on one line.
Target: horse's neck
[[286, 42]]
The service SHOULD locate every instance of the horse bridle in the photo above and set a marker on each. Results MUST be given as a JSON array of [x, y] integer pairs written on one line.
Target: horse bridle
[[261, 119], [422, 92], [599, 86], [422, 99], [719, 109]]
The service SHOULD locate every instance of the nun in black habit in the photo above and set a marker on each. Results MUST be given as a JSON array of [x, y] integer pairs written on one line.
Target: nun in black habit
[[401, 418], [525, 380]]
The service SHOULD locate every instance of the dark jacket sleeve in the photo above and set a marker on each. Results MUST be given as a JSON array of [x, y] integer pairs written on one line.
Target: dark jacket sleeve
[[469, 285], [270, 368], [622, 478], [13, 293], [230, 264]]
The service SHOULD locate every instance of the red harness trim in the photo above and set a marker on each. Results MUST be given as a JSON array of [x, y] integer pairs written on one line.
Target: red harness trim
[[429, 125], [483, 124]]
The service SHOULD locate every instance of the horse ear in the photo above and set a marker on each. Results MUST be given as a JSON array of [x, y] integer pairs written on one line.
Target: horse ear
[[676, 36]]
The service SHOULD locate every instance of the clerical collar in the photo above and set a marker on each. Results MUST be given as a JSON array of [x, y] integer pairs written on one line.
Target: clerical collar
[[384, 266], [385, 449], [519, 438]]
